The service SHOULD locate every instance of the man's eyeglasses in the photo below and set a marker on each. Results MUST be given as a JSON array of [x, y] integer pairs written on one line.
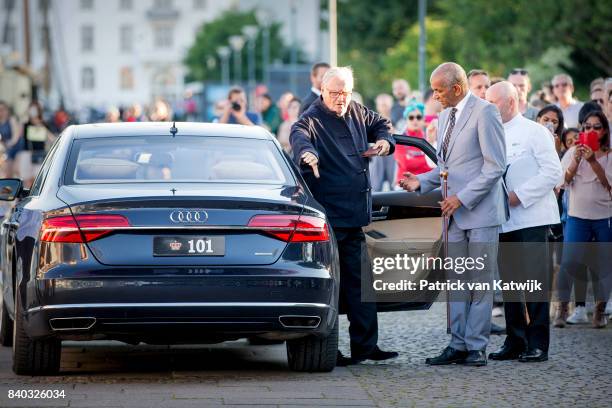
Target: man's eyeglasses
[[561, 84], [588, 127], [519, 71], [413, 117], [337, 94]]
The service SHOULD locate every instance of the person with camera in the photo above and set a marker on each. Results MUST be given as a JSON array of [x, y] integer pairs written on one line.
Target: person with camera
[[588, 177], [234, 110]]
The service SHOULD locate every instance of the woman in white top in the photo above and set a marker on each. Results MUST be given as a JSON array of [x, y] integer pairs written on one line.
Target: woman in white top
[[588, 176]]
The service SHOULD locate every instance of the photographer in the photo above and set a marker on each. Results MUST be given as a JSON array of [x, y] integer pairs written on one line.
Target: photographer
[[235, 109], [588, 174]]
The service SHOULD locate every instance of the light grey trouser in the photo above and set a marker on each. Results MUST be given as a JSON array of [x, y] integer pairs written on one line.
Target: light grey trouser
[[470, 310]]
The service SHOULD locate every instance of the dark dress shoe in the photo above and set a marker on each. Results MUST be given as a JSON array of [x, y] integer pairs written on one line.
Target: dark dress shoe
[[506, 353], [533, 355], [376, 355], [449, 356], [497, 330], [342, 360], [476, 358]]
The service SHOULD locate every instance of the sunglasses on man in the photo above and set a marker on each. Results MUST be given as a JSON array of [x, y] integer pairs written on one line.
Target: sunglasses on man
[[519, 71]]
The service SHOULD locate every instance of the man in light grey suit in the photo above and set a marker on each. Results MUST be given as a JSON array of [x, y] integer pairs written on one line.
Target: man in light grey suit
[[472, 150]]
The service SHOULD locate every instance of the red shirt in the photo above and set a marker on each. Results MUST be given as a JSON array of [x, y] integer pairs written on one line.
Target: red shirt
[[410, 158]]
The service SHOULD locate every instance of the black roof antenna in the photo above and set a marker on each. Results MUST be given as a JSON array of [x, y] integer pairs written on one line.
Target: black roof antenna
[[173, 129]]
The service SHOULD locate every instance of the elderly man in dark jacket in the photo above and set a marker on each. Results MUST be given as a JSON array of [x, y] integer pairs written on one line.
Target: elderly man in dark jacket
[[329, 141]]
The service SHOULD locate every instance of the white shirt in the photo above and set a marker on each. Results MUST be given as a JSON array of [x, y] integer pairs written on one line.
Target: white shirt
[[532, 146], [315, 91], [571, 113]]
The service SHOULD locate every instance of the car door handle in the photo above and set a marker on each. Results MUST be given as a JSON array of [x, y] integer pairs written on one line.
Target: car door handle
[[380, 214]]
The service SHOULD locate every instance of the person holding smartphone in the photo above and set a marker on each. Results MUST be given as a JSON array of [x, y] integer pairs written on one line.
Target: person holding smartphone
[[588, 177]]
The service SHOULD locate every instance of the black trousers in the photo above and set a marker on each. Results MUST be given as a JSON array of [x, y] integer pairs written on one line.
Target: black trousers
[[523, 254], [363, 327]]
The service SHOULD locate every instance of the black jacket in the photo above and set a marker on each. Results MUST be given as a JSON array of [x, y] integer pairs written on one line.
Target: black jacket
[[307, 101], [338, 142]]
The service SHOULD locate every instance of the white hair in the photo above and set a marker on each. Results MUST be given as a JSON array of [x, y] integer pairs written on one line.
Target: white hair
[[344, 73], [561, 77]]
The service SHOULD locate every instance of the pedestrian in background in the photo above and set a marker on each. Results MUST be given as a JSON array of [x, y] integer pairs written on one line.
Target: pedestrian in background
[[478, 82], [382, 168], [588, 177], [519, 77], [563, 89], [316, 76], [328, 141], [284, 130], [10, 133], [269, 112], [234, 109], [552, 118], [410, 158]]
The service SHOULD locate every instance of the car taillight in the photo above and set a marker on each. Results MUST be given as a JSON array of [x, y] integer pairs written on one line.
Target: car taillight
[[80, 229], [292, 228]]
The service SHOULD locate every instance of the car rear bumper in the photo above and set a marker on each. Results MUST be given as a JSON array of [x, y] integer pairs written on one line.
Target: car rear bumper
[[183, 310], [181, 322]]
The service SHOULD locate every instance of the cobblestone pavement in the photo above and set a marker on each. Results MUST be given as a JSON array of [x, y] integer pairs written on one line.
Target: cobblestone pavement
[[105, 374]]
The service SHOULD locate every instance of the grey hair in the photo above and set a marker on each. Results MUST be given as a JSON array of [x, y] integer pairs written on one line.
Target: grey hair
[[344, 73], [452, 73], [563, 76]]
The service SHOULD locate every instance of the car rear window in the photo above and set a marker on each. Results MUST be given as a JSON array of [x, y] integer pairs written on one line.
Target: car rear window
[[190, 159]]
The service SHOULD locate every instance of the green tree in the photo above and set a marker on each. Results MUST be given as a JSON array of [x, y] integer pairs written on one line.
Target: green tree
[[401, 61], [217, 33], [366, 30]]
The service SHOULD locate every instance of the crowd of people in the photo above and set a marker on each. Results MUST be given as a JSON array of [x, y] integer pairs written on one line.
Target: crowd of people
[[579, 132]]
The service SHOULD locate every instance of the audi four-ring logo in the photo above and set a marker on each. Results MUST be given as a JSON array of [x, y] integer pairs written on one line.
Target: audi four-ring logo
[[189, 216]]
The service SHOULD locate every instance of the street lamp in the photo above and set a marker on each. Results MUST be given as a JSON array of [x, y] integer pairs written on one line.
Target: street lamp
[[237, 42], [265, 20], [250, 33], [224, 53], [293, 79]]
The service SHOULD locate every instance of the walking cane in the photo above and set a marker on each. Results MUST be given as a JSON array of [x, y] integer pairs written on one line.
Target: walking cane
[[444, 176]]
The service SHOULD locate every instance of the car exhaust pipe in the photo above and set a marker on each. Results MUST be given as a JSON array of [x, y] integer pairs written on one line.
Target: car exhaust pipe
[[300, 322], [72, 323]]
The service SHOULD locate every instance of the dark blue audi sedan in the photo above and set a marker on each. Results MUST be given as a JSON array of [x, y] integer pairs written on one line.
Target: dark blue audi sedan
[[173, 233]]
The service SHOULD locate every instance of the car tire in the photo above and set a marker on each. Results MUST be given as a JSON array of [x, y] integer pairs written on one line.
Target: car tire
[[312, 353], [6, 327], [33, 357]]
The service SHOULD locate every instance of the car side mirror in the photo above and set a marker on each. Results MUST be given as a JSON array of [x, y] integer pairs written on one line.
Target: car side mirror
[[10, 189]]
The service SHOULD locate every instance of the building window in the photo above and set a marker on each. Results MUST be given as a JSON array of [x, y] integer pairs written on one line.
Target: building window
[[163, 4], [88, 81], [199, 4], [9, 5], [126, 38], [125, 4], [126, 78], [87, 38], [163, 36], [87, 4]]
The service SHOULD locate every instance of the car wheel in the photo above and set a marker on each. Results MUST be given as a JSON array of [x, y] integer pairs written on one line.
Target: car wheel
[[6, 327], [314, 353], [33, 357]]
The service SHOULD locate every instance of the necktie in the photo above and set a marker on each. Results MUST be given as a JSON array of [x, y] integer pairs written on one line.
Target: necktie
[[449, 130]]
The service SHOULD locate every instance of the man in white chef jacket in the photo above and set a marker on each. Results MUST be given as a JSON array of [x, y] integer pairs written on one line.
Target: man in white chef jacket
[[532, 173]]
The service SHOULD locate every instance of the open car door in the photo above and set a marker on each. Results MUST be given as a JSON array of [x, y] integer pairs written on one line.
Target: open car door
[[406, 223]]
